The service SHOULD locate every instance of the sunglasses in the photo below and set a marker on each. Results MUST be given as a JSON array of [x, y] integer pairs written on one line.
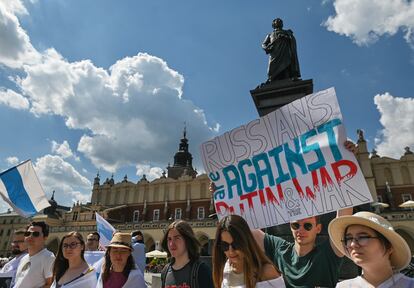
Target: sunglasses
[[72, 245], [33, 234], [91, 239], [226, 246], [361, 240], [307, 226]]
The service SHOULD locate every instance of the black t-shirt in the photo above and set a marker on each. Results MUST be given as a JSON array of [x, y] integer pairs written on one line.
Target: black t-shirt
[[181, 278]]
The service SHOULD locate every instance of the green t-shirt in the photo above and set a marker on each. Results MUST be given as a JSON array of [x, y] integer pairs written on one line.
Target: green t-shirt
[[320, 267]]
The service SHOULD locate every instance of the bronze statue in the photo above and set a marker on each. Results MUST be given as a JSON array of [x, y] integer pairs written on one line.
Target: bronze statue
[[283, 59]]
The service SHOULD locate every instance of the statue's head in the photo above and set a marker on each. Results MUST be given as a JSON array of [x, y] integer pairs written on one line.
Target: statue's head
[[277, 23]]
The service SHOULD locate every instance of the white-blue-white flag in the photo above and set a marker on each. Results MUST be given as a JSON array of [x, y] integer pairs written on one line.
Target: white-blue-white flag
[[21, 189], [105, 230]]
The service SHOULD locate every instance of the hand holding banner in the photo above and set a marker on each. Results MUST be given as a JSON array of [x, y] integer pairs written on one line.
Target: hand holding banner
[[288, 165]]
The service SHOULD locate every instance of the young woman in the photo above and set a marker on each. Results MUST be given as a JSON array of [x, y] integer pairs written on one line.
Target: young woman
[[70, 269], [237, 259], [118, 269], [371, 243], [185, 268]]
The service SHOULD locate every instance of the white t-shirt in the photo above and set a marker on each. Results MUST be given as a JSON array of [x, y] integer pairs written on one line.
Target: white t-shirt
[[34, 270], [397, 280], [11, 266]]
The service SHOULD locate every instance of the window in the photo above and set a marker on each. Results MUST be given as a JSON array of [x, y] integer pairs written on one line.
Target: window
[[156, 215], [177, 213], [75, 216], [200, 213], [135, 216], [406, 197], [1, 232], [379, 198], [8, 232]]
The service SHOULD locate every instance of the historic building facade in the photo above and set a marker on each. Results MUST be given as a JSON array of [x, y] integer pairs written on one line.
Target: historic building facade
[[182, 194]]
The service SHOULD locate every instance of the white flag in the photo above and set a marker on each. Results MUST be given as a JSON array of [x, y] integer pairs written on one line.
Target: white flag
[[21, 189], [105, 230]]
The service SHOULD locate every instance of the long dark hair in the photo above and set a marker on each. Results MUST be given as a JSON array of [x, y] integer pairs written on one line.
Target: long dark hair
[[254, 258], [130, 264], [61, 263], [191, 242]]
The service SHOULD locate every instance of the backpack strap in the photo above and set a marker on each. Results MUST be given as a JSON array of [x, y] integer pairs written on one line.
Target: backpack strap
[[164, 274], [194, 273]]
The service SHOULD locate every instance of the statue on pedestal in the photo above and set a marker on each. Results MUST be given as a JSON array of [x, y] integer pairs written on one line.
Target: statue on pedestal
[[283, 59]]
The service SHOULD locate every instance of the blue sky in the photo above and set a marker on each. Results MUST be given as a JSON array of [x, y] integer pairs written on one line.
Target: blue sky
[[107, 85]]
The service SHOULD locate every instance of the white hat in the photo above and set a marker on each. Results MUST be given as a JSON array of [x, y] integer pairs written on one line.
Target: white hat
[[401, 254]]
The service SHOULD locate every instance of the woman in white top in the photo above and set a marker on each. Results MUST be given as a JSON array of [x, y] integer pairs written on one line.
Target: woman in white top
[[237, 259], [70, 269], [371, 243]]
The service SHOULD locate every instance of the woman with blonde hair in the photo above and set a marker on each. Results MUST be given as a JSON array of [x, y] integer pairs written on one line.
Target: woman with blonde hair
[[371, 243], [70, 269], [238, 261]]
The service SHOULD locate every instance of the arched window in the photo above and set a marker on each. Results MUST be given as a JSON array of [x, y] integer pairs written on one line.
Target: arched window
[[178, 213], [200, 213], [135, 216]]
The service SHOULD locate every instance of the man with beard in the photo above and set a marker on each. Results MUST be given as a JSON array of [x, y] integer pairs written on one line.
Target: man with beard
[[19, 249]]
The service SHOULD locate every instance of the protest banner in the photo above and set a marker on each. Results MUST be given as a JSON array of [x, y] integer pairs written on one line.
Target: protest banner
[[288, 165]]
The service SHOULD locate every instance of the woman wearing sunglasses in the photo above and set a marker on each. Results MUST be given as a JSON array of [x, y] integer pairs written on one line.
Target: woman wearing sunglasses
[[371, 243], [237, 259], [119, 270], [70, 269]]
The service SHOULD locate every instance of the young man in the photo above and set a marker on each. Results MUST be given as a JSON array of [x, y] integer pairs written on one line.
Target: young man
[[185, 270], [92, 241], [303, 263], [35, 269], [139, 249], [19, 249]]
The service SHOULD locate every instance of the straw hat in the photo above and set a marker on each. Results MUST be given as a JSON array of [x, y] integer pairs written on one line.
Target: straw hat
[[121, 240], [401, 255]]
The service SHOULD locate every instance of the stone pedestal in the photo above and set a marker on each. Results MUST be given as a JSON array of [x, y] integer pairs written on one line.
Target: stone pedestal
[[269, 97]]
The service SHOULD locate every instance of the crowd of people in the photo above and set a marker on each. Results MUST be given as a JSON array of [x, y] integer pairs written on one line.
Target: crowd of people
[[241, 257]]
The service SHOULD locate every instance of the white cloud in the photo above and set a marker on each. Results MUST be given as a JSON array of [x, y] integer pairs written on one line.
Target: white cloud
[[56, 174], [15, 47], [63, 150], [12, 161], [131, 113], [151, 173], [398, 122], [14, 100], [364, 21]]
